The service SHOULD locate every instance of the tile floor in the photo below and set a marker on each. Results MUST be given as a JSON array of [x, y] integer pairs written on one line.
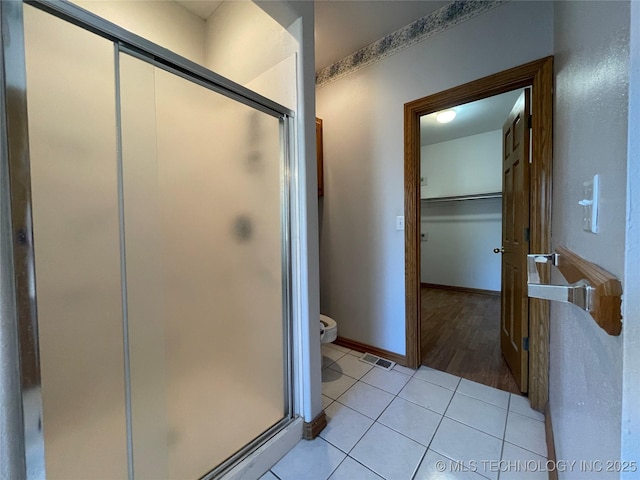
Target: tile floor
[[424, 425]]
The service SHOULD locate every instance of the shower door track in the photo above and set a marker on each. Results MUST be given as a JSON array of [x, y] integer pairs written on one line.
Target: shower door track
[[89, 21], [18, 294]]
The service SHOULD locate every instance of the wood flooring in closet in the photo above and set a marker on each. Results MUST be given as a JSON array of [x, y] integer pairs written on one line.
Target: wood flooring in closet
[[461, 336]]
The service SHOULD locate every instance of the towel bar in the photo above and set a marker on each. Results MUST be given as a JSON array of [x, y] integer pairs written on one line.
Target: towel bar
[[579, 293], [593, 289]]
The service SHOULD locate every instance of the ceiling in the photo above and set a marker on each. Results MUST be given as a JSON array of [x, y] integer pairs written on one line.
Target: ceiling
[[481, 116], [344, 26], [201, 8]]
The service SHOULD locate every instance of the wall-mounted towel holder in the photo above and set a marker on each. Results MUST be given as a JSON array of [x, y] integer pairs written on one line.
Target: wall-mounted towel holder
[[592, 288]]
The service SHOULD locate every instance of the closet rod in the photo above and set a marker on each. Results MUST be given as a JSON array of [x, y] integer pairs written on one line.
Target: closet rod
[[457, 198]]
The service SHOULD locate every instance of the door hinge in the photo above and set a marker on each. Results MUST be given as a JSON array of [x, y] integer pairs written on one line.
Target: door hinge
[[525, 344], [530, 121], [526, 234]]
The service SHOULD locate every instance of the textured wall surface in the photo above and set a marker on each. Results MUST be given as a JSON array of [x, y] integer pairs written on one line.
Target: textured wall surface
[[631, 300], [590, 137], [362, 254]]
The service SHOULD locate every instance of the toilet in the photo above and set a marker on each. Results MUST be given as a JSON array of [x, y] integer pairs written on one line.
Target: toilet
[[328, 329]]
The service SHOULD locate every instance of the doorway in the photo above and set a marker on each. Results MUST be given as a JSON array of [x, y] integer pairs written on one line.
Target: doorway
[[461, 228], [539, 76]]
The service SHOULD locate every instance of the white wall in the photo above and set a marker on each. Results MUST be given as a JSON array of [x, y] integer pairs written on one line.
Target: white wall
[[461, 235], [243, 42], [167, 23], [238, 41], [362, 254], [462, 166], [590, 136]]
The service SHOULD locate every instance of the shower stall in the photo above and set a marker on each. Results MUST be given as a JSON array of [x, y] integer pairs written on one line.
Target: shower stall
[[151, 253]]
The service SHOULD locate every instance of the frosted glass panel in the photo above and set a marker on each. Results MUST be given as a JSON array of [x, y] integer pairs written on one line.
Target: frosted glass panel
[[203, 220], [72, 141], [145, 301]]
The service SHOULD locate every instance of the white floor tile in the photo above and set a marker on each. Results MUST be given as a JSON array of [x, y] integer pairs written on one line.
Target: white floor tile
[[268, 476], [330, 355], [465, 444], [335, 383], [436, 467], [336, 347], [405, 370], [520, 464], [352, 366], [411, 420], [386, 380], [443, 379], [484, 393], [311, 460], [527, 433], [389, 454], [428, 395], [521, 405], [478, 414], [326, 401], [344, 426], [368, 400], [352, 470]]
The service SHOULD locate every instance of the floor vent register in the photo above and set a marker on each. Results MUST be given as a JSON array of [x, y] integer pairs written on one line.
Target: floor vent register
[[377, 361]]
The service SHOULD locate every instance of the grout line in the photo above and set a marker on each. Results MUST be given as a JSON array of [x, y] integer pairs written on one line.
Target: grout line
[[442, 416], [381, 424], [504, 433], [422, 406], [526, 416], [337, 466], [432, 383], [527, 449], [474, 428], [488, 403], [415, 471], [375, 473]]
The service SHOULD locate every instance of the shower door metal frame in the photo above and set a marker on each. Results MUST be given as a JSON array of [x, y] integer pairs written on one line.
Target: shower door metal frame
[[18, 262]]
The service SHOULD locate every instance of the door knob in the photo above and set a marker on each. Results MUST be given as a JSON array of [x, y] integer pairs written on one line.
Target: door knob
[[498, 250]]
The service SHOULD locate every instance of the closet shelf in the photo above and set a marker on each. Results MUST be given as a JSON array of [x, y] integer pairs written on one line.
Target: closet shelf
[[457, 198]]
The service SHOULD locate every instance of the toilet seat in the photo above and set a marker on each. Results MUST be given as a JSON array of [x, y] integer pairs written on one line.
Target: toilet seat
[[328, 329]]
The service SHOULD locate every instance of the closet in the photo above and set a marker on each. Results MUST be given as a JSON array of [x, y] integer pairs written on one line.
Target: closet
[[461, 225]]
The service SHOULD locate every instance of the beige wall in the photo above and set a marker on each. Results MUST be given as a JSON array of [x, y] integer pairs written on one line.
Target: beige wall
[[590, 136], [163, 22], [362, 253]]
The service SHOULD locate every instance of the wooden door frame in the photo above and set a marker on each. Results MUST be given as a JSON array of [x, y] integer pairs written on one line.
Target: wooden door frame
[[538, 75]]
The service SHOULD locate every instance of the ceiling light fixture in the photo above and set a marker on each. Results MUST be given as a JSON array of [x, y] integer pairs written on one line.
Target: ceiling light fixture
[[446, 116]]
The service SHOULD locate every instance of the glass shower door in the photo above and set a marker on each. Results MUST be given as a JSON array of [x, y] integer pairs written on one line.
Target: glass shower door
[[160, 219], [203, 189], [74, 182]]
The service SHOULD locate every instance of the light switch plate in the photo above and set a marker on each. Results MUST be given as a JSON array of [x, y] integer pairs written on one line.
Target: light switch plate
[[589, 203], [400, 223]]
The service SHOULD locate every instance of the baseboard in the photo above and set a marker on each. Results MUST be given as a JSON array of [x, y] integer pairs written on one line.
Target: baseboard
[[461, 289], [312, 429], [551, 446], [363, 347]]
